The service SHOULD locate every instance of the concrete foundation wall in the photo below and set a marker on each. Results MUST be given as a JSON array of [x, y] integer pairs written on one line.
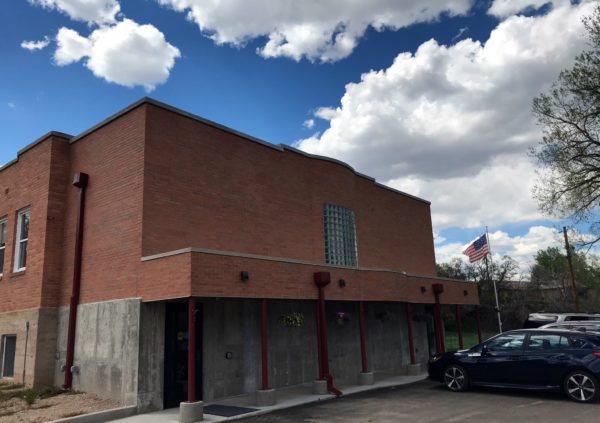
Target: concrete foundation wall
[[106, 349], [37, 362], [151, 357]]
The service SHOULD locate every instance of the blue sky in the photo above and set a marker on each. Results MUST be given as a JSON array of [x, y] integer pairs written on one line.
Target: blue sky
[[429, 97]]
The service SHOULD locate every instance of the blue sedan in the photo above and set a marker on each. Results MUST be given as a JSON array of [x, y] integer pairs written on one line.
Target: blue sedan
[[528, 359]]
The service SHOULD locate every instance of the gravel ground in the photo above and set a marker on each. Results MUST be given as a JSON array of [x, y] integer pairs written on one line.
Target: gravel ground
[[16, 410]]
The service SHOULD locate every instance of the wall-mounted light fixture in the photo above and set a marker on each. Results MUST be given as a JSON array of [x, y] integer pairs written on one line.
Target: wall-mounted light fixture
[[342, 283], [465, 292], [423, 290], [244, 276]]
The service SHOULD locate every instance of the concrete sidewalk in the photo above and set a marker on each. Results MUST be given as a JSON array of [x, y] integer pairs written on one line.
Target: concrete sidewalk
[[286, 397]]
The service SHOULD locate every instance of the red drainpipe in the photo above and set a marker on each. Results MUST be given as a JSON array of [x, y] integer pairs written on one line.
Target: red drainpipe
[[263, 345], [459, 327], [438, 288], [322, 279], [191, 349], [361, 325], [80, 181], [411, 345]]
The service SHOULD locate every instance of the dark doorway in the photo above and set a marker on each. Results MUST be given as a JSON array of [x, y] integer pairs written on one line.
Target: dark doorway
[[176, 354], [8, 359]]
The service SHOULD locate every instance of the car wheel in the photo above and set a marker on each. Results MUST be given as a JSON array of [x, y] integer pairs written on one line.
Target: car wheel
[[581, 386], [456, 378]]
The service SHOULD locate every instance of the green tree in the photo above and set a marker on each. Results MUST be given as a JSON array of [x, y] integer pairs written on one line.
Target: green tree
[[568, 156], [551, 281]]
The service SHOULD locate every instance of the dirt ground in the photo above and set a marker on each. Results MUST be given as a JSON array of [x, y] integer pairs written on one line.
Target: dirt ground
[[46, 404]]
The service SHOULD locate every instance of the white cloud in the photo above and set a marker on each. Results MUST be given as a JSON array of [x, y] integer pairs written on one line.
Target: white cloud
[[309, 123], [522, 248], [91, 11], [314, 29], [11, 105], [35, 45], [453, 123], [127, 53], [505, 8]]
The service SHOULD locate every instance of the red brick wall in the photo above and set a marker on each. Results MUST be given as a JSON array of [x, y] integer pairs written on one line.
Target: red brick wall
[[112, 156], [26, 183], [208, 188], [212, 275]]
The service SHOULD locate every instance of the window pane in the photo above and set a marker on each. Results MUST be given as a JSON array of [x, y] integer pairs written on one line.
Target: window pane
[[1, 261], [507, 342], [25, 225], [2, 233], [547, 342], [23, 255]]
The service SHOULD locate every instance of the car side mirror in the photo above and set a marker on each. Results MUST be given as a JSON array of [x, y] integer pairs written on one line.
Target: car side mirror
[[484, 350]]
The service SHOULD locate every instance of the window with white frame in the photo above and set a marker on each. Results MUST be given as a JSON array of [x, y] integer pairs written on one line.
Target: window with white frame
[[340, 235], [3, 223], [21, 241]]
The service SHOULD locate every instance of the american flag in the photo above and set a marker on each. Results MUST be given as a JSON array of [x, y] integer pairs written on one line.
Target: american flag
[[478, 249]]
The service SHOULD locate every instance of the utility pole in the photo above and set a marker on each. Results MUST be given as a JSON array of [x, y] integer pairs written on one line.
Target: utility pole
[[574, 288]]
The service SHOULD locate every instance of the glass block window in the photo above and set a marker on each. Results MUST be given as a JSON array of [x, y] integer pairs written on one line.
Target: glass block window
[[2, 243], [340, 236]]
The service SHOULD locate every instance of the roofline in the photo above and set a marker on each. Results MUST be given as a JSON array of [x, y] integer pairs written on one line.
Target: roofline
[[279, 147], [29, 146]]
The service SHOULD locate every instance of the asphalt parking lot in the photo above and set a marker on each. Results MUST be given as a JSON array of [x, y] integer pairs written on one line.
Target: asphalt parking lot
[[430, 402]]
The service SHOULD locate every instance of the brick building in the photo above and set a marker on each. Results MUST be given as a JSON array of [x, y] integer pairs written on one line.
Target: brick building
[[180, 214]]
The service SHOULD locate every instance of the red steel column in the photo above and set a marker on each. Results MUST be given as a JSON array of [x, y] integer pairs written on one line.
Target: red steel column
[[322, 279], [478, 320], [192, 349], [438, 288], [411, 345], [81, 182], [459, 327], [361, 326], [265, 362]]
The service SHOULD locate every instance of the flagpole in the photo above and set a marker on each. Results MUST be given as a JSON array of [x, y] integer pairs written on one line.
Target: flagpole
[[493, 281]]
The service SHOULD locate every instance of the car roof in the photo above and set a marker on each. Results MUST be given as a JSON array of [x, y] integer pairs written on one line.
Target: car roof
[[556, 330]]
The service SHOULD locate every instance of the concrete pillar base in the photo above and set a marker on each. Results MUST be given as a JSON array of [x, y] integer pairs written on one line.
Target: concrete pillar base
[[320, 387], [366, 378], [413, 369], [191, 412], [265, 397]]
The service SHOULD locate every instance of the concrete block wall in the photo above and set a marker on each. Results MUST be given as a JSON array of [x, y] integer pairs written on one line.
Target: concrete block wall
[[37, 361], [106, 349]]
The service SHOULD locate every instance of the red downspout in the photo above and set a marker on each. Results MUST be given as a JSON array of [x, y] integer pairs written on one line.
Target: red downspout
[[478, 321], [411, 345], [191, 349], [263, 345], [459, 327], [80, 181], [438, 288], [361, 326], [322, 279]]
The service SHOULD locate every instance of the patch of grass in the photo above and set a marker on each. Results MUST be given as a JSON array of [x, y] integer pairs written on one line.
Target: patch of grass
[[50, 391], [30, 395]]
